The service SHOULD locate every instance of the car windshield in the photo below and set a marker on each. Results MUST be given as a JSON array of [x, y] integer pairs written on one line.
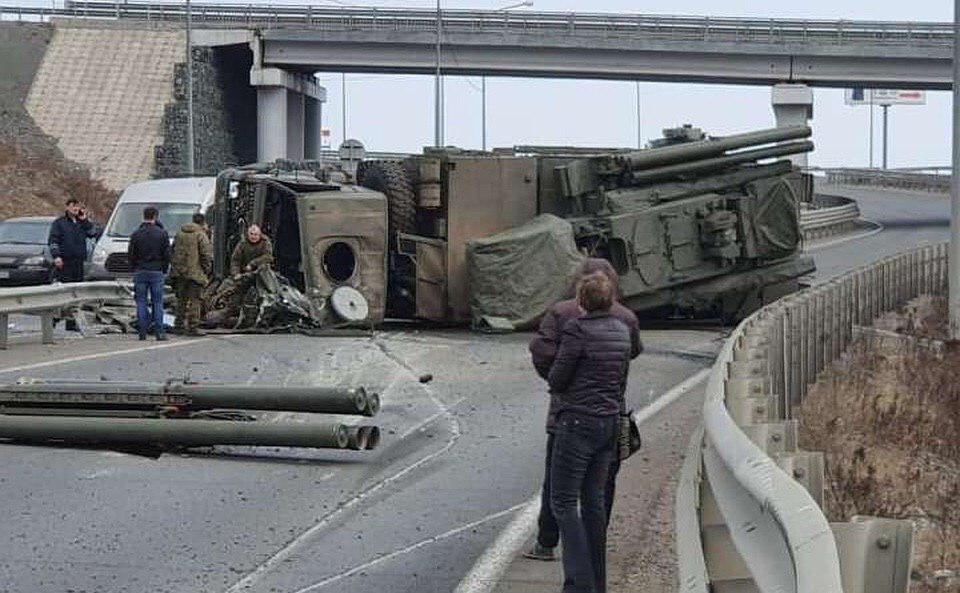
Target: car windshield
[[128, 217], [24, 233]]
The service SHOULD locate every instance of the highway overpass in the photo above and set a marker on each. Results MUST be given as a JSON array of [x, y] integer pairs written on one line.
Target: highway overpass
[[570, 45]]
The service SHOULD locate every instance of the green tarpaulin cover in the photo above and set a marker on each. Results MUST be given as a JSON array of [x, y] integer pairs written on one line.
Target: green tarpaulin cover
[[518, 273]]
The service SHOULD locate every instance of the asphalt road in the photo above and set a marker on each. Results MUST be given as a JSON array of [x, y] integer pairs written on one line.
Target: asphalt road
[[458, 454]]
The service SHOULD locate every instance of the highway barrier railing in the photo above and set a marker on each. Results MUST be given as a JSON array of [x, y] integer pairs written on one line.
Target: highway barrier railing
[[895, 179], [833, 215], [683, 28], [51, 300], [748, 514]]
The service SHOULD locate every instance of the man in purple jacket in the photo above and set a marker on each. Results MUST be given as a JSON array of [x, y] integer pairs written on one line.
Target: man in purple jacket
[[543, 349]]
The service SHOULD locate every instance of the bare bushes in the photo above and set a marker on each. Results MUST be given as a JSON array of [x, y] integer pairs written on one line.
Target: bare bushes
[[888, 420]]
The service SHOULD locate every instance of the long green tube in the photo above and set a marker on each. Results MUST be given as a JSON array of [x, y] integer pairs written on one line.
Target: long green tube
[[190, 396], [747, 156], [184, 433]]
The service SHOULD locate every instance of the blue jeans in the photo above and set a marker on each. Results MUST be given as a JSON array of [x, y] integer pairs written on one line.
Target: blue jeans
[[149, 283], [583, 450]]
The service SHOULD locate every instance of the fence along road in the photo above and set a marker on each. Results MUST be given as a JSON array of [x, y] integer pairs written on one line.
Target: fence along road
[[748, 505]]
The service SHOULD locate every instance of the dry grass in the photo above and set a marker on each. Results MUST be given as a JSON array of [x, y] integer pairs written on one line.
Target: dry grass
[[889, 423], [33, 184]]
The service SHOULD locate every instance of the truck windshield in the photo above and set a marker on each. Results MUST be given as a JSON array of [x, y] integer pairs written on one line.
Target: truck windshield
[[128, 217], [24, 233]]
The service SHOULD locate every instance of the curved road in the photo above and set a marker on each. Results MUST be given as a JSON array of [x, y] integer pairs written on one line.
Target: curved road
[[459, 455]]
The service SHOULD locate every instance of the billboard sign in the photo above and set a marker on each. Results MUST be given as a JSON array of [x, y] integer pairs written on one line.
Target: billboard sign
[[863, 96]]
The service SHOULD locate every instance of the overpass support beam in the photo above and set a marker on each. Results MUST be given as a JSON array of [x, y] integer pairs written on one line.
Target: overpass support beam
[[288, 109], [793, 106]]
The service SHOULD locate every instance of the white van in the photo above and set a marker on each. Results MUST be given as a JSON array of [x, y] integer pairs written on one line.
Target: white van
[[176, 199]]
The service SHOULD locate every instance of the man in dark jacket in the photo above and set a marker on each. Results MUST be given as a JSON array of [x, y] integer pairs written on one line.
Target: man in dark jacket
[[68, 245], [190, 269], [149, 253], [543, 349], [68, 242]]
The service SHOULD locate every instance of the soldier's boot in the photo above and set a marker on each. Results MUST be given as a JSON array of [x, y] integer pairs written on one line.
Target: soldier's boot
[[192, 314]]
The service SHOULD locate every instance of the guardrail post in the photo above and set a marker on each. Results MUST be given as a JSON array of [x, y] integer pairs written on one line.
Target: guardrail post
[[4, 321], [46, 326]]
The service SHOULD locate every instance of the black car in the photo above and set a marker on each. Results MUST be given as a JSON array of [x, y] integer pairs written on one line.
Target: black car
[[24, 255]]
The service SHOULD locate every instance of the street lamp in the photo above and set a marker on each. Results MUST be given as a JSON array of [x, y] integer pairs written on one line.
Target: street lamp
[[191, 160], [437, 97], [483, 79], [954, 252]]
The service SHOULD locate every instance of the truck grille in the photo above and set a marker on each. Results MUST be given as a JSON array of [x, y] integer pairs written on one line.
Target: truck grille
[[118, 263]]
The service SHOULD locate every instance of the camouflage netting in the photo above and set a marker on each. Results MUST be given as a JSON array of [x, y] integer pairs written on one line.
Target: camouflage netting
[[518, 273]]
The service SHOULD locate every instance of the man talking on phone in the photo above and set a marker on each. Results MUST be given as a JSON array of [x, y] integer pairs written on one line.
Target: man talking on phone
[[68, 245]]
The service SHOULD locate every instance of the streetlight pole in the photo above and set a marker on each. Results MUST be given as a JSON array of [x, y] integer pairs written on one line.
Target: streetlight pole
[[437, 93], [343, 103], [483, 110], [639, 135], [886, 109], [954, 253], [871, 127], [191, 160]]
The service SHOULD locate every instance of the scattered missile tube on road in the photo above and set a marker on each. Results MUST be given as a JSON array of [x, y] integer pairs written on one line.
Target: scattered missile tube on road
[[190, 396], [170, 432], [180, 414]]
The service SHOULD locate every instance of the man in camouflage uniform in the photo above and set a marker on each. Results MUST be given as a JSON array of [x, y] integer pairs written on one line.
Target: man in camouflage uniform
[[252, 253], [190, 269]]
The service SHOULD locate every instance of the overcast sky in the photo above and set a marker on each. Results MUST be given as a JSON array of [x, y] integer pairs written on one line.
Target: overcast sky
[[395, 113]]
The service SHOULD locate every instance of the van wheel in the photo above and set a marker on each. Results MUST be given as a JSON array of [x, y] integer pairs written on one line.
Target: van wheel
[[391, 179]]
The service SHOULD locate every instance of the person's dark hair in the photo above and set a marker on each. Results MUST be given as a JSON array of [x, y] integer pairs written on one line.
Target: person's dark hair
[[595, 292], [150, 213], [592, 265], [72, 201], [199, 218]]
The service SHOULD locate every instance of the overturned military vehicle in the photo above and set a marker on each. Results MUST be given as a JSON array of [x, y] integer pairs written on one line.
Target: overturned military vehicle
[[695, 226]]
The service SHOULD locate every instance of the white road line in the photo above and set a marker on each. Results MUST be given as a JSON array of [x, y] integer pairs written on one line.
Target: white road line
[[303, 539], [493, 563], [50, 363], [430, 540]]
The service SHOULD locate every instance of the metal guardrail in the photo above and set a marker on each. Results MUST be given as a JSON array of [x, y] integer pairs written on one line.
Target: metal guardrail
[[835, 215], [735, 30], [891, 178], [755, 522], [49, 300]]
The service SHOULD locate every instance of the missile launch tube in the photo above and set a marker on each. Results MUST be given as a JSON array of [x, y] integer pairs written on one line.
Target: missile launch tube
[[184, 433], [193, 396], [652, 175], [704, 149]]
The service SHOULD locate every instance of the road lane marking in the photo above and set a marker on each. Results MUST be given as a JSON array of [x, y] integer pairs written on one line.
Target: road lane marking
[[420, 544], [487, 571], [50, 363]]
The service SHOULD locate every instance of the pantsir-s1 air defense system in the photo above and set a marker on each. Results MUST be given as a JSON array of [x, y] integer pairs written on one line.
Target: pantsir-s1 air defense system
[[694, 226]]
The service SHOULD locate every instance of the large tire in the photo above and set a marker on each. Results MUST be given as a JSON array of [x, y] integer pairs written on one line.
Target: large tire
[[391, 179]]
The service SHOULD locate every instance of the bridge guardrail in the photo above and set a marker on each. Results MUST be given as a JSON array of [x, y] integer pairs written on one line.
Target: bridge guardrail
[[755, 522], [897, 179], [839, 216], [49, 300], [737, 30]]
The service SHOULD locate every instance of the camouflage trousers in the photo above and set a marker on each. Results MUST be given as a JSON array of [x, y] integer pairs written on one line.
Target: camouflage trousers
[[188, 304]]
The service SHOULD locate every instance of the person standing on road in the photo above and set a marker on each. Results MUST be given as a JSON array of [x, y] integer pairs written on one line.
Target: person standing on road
[[543, 349], [68, 245], [149, 253], [590, 371], [190, 268]]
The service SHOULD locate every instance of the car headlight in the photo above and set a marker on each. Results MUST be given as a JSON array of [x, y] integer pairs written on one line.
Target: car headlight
[[36, 260]]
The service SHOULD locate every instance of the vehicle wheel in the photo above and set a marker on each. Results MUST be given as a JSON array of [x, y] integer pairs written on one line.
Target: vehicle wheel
[[391, 179]]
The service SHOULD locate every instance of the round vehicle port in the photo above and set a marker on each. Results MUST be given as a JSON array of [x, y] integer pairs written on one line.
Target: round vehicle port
[[339, 262]]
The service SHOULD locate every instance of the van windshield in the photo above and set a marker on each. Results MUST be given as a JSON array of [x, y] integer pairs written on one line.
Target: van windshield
[[127, 217]]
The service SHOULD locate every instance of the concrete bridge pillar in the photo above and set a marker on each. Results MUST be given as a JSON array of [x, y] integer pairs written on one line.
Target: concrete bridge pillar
[[288, 114], [793, 106]]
